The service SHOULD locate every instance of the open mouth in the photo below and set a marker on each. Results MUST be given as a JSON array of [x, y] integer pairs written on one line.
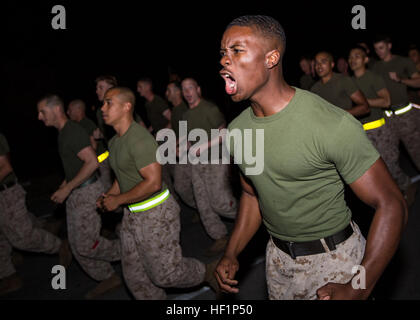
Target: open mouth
[[231, 86]]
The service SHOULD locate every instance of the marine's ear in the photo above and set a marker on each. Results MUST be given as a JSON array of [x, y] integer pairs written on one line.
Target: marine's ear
[[272, 58]]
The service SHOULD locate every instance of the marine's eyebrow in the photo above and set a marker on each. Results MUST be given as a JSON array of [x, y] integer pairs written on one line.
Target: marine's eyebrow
[[236, 44]]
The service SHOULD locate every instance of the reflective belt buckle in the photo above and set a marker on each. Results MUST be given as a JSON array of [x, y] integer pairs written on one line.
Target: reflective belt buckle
[[374, 124], [149, 203], [103, 156], [403, 110]]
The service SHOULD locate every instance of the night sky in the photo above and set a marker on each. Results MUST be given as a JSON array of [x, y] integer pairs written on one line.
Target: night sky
[[132, 39]]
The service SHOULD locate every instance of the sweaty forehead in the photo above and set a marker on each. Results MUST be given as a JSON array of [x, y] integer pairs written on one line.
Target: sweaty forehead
[[241, 34], [189, 83], [323, 56]]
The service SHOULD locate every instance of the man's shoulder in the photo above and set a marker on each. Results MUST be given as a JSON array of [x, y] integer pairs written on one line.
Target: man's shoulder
[[182, 107], [158, 100], [240, 120], [372, 76], [206, 104], [308, 107], [88, 120], [317, 86], [72, 127], [341, 77], [398, 58], [317, 109], [138, 133]]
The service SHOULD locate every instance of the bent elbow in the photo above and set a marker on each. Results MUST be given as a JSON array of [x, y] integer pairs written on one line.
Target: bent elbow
[[157, 186]]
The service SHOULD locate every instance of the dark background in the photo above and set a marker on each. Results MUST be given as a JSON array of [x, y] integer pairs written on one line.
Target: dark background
[[131, 39]]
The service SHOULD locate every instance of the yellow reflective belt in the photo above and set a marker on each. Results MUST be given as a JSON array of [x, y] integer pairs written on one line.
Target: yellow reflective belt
[[103, 156], [374, 124], [149, 203], [403, 110]]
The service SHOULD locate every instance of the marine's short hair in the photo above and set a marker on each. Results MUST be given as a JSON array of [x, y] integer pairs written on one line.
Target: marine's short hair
[[111, 80], [306, 57], [382, 38], [176, 83], [125, 94], [413, 46], [194, 80], [146, 80], [268, 26], [53, 100], [328, 54], [79, 103], [357, 46]]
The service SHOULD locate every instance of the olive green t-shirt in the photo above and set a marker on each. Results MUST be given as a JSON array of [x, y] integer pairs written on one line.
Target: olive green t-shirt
[[89, 127], [134, 150], [100, 120], [404, 68], [306, 82], [370, 83], [155, 109], [71, 139], [4, 150], [177, 115], [307, 147], [337, 90], [205, 116]]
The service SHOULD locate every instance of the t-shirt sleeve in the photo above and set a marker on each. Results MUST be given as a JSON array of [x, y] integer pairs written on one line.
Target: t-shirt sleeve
[[90, 127], [410, 67], [215, 117], [350, 149], [162, 106], [349, 86], [4, 146], [143, 151], [79, 139]]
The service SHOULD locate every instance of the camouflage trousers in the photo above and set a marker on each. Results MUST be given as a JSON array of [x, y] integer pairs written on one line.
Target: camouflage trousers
[[299, 279], [406, 127], [93, 252], [18, 229], [207, 188], [151, 254], [105, 175], [183, 183], [386, 142]]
